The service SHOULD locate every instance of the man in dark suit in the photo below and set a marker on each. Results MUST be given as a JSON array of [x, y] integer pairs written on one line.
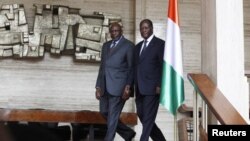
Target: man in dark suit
[[148, 74], [114, 80]]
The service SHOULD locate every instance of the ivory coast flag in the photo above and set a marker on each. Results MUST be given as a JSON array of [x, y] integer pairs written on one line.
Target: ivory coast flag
[[172, 87]]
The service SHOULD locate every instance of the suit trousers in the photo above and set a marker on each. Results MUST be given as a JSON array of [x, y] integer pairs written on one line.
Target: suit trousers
[[110, 108], [147, 108]]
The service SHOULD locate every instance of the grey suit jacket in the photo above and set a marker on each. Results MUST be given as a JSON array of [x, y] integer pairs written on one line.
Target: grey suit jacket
[[116, 68]]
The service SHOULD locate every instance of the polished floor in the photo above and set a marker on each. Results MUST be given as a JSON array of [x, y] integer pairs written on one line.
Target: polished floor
[[13, 131]]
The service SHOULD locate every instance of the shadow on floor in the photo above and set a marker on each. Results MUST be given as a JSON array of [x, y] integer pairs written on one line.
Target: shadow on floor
[[13, 131]]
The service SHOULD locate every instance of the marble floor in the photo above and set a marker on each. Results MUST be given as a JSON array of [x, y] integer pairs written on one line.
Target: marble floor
[[164, 120]]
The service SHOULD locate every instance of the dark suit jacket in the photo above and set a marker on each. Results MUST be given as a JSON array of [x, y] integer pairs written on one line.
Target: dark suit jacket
[[116, 69], [148, 66]]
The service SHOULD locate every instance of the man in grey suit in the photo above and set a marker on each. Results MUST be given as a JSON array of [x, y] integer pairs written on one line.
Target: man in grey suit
[[148, 74], [114, 80]]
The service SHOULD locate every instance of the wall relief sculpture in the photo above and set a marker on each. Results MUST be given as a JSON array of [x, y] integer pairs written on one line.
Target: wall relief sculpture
[[57, 29]]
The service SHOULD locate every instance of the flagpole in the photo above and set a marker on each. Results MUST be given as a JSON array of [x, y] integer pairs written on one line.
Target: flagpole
[[175, 128]]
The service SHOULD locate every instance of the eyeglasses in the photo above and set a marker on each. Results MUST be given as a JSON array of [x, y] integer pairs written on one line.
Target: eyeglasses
[[111, 31]]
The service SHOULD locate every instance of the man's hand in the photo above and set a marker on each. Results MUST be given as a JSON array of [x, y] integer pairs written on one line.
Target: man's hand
[[158, 90], [98, 93], [126, 93]]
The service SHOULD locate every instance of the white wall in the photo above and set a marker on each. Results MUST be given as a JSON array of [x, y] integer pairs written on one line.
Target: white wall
[[223, 50]]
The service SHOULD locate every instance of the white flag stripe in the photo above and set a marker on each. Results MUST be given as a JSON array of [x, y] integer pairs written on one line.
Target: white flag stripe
[[173, 46]]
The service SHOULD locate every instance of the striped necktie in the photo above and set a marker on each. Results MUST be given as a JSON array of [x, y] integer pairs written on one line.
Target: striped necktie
[[113, 44]]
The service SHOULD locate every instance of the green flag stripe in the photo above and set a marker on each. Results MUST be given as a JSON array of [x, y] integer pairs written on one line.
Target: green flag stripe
[[172, 89]]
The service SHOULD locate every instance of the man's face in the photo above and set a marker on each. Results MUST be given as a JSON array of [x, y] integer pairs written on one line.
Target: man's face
[[115, 32], [146, 30]]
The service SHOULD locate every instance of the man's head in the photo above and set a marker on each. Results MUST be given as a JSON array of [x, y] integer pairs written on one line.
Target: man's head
[[146, 28], [115, 31]]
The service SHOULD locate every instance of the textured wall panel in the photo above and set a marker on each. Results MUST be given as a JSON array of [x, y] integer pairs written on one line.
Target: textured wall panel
[[247, 33]]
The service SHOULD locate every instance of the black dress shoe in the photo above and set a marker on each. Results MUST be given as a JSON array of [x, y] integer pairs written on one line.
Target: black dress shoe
[[131, 137]]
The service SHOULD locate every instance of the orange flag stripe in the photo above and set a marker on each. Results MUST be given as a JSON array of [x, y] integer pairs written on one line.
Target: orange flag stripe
[[173, 11]]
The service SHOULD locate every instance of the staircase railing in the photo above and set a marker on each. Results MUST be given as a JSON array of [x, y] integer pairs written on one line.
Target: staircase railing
[[217, 103]]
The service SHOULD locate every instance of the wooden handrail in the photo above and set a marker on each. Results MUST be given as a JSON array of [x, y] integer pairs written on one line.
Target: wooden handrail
[[218, 104], [87, 117], [34, 115]]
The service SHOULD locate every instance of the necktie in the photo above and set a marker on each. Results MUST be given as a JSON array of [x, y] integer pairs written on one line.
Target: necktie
[[144, 46], [112, 46]]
